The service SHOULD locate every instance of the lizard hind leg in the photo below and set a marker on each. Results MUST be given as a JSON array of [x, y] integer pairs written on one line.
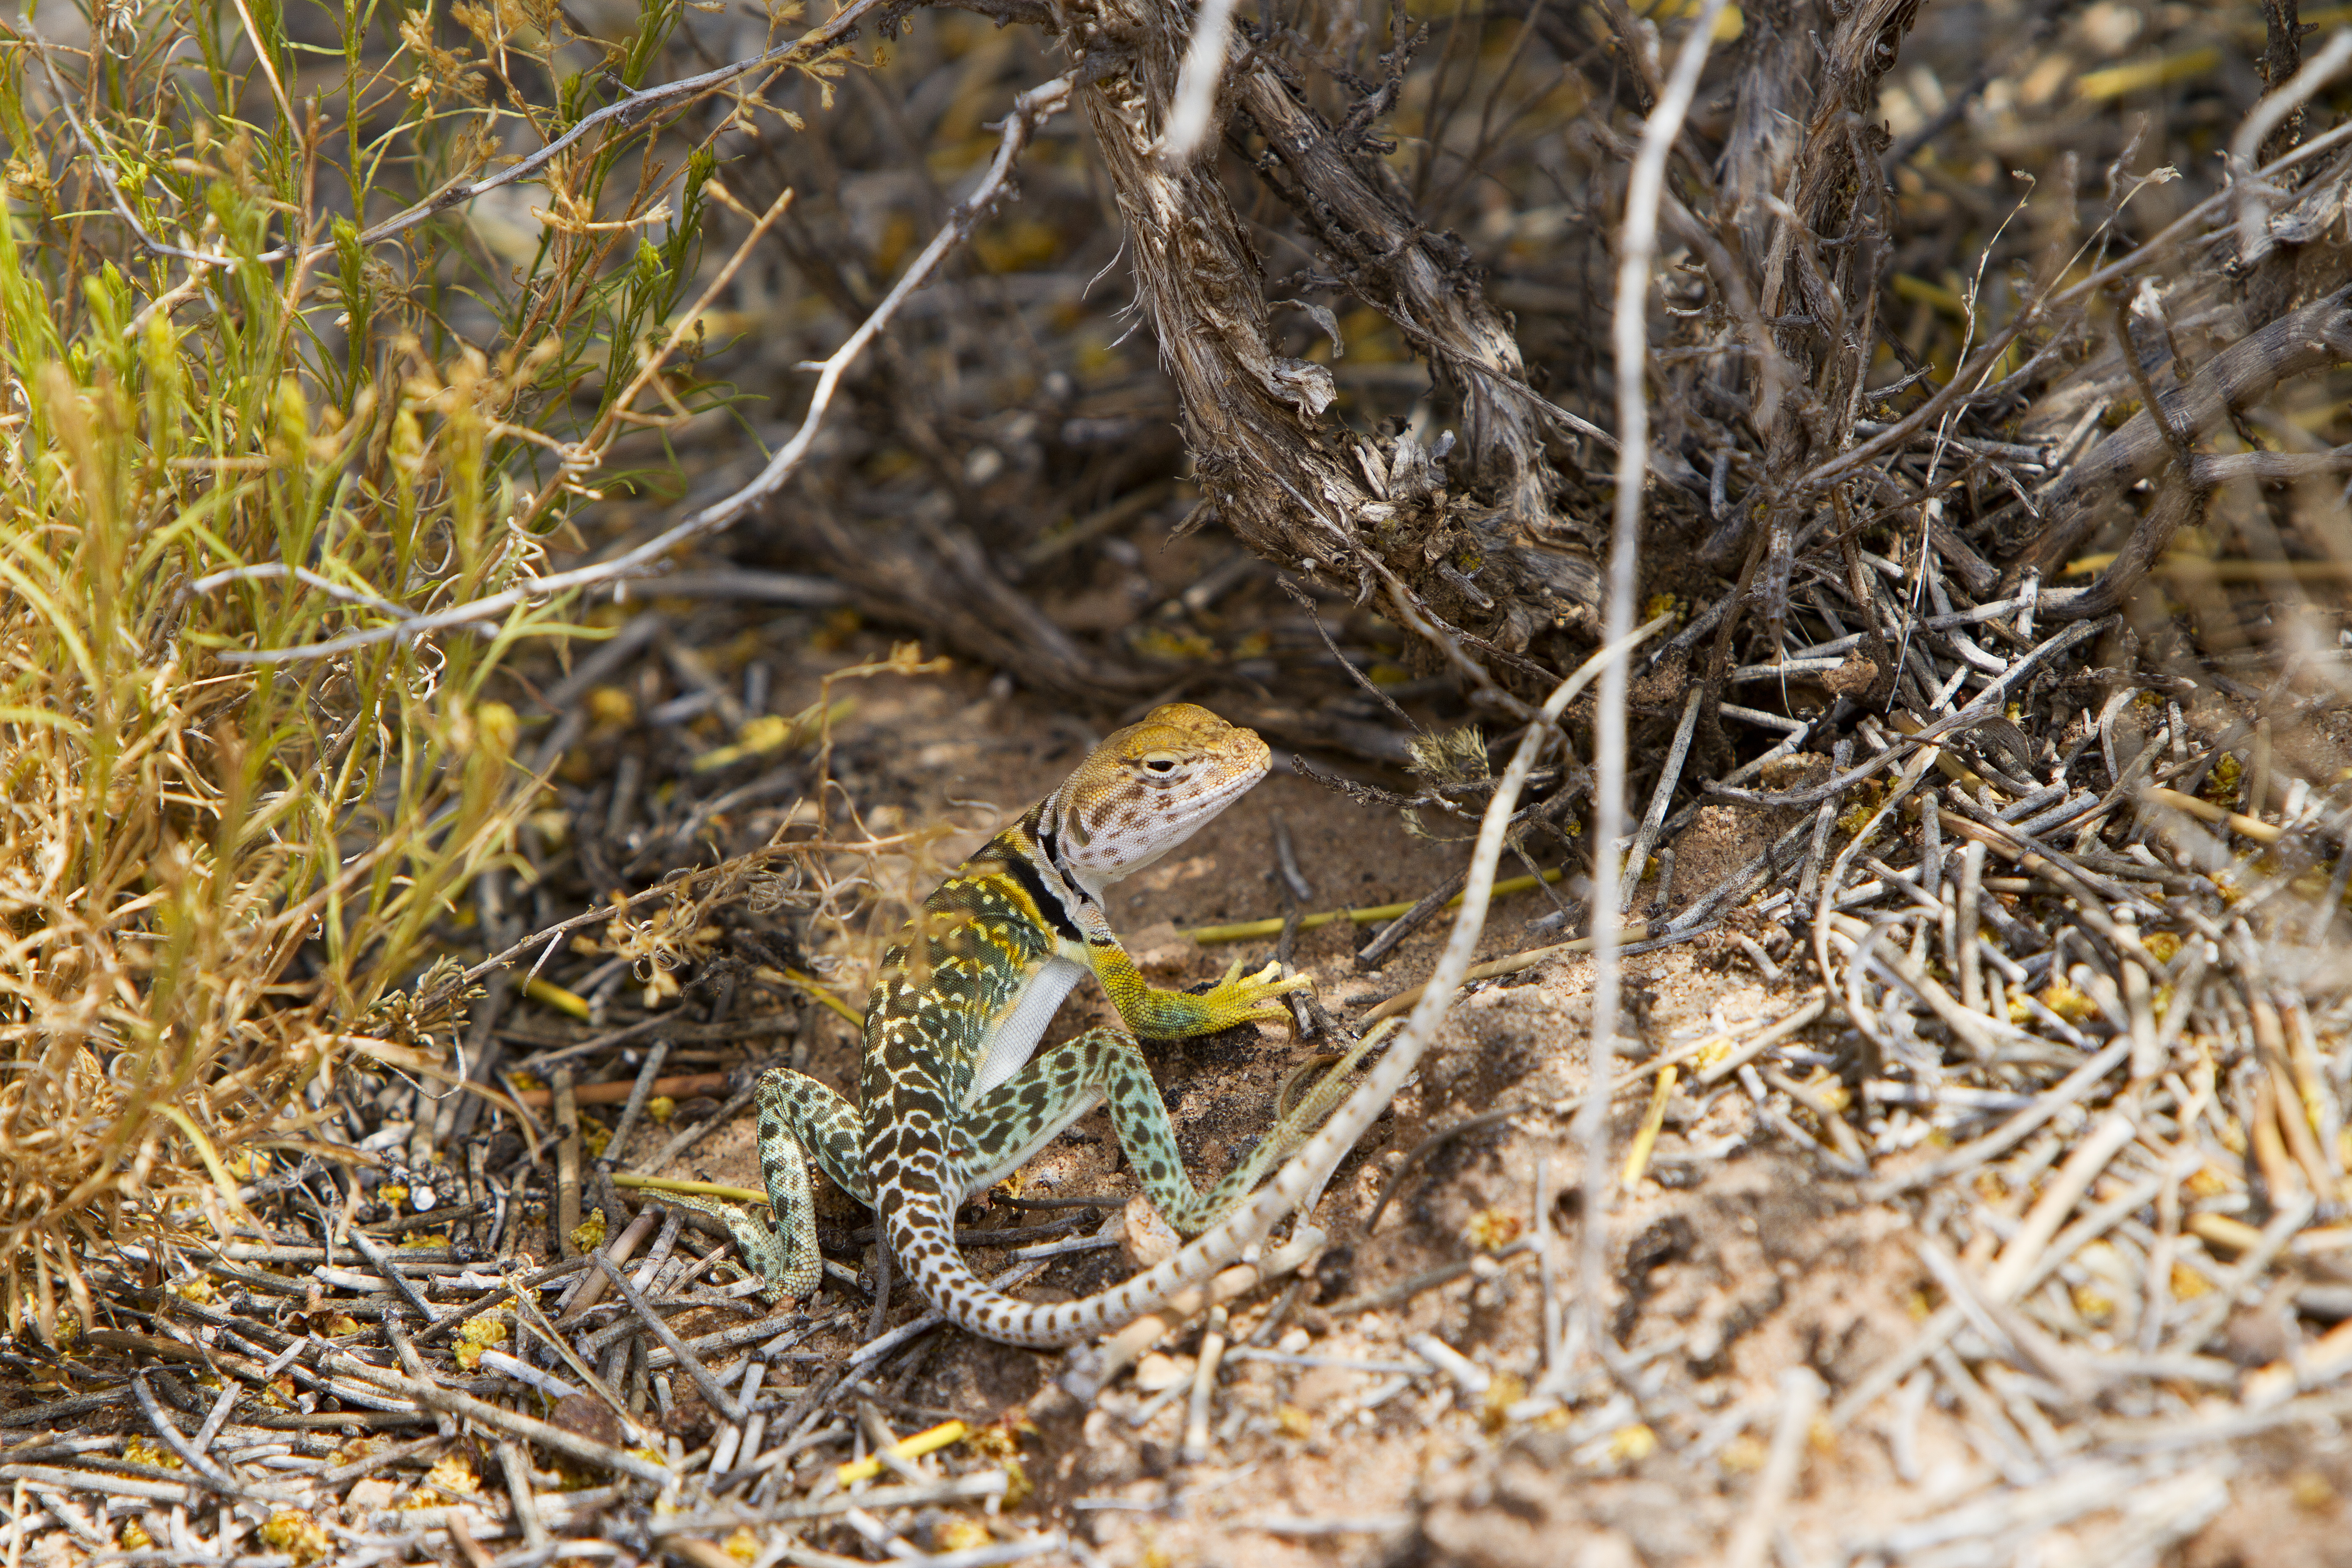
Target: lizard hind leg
[[799, 1117]]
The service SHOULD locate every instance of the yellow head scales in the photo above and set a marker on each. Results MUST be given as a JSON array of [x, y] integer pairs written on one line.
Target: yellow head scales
[[1148, 788]]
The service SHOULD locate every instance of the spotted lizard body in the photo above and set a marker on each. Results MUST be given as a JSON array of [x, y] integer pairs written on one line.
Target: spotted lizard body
[[954, 1095]]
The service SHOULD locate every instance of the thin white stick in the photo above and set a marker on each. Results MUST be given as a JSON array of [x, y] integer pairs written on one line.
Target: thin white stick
[[1800, 1398], [1196, 88], [1637, 249]]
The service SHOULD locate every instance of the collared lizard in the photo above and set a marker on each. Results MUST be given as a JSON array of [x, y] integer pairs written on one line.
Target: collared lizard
[[952, 1099]]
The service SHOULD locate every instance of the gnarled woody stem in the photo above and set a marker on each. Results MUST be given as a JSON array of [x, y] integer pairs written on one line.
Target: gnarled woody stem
[[1298, 488]]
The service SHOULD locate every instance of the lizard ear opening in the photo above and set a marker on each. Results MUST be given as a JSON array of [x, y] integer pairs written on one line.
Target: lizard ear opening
[[1076, 827]]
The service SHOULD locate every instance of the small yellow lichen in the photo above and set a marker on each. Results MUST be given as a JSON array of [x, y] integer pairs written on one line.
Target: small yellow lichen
[[961, 1535], [1743, 1454], [2162, 945], [476, 1334], [1495, 1405], [1828, 1090], [393, 1193], [1017, 1485], [353, 1449], [2188, 1284], [996, 1442], [589, 1234], [743, 1546], [133, 1536], [147, 1451], [2221, 785], [610, 707], [2096, 1305], [298, 1535], [661, 1108], [2068, 1002], [1632, 1445], [2209, 1182], [1493, 1229], [595, 1135], [454, 1475], [1292, 1421], [194, 1287]]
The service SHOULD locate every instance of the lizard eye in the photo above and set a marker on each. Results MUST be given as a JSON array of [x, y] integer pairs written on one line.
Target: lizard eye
[[1160, 764]]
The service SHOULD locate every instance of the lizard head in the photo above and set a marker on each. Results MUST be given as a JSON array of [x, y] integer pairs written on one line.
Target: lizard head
[[1148, 788]]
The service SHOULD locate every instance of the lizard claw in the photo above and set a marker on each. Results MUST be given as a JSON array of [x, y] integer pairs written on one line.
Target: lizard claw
[[1252, 997]]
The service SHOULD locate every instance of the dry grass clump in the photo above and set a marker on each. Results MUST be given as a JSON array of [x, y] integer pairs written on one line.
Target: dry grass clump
[[237, 424]]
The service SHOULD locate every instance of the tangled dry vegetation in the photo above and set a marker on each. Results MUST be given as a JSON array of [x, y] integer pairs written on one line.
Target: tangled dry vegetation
[[369, 369]]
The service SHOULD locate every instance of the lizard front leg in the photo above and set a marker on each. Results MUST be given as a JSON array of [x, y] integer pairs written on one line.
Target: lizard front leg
[[1154, 1014]]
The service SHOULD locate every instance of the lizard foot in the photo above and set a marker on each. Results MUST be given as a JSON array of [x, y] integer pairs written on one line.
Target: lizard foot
[[1252, 1000]]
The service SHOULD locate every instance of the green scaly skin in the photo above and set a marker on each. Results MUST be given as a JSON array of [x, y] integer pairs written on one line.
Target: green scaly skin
[[954, 1098]]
